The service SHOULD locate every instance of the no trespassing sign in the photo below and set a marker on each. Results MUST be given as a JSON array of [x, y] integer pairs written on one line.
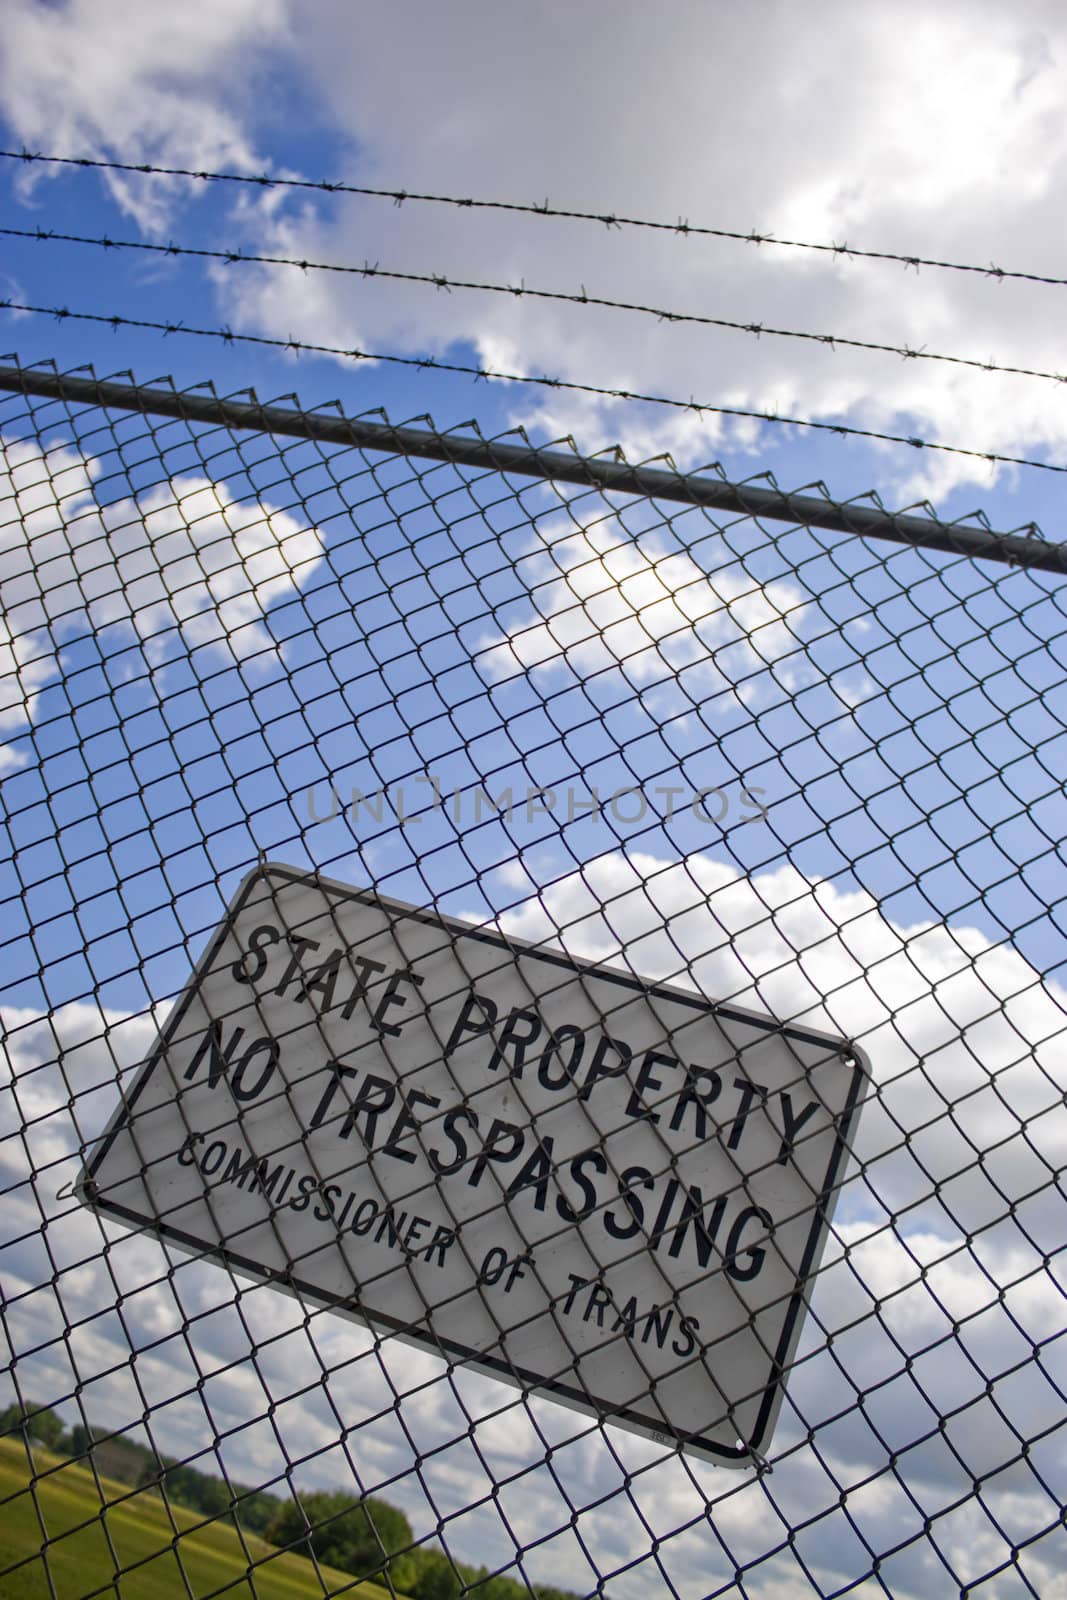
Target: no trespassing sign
[[612, 1192]]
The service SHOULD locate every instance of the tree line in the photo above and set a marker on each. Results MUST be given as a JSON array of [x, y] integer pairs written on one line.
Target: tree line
[[366, 1538]]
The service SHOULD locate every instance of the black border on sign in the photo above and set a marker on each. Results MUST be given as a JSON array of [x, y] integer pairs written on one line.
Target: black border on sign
[[656, 1427]]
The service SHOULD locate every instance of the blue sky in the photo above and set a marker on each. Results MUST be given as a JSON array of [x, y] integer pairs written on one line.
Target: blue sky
[[901, 714]]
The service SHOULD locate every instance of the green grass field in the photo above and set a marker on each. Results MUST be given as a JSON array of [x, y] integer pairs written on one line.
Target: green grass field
[[59, 1530]]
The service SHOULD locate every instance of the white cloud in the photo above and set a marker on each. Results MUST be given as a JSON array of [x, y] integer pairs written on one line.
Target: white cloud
[[170, 85], [187, 555], [610, 602], [185, 559], [964, 1037], [895, 128], [24, 670]]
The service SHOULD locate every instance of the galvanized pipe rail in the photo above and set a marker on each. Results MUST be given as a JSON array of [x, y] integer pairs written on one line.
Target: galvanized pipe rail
[[616, 477]]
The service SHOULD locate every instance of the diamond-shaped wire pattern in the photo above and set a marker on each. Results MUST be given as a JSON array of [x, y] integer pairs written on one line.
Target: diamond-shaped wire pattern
[[666, 901]]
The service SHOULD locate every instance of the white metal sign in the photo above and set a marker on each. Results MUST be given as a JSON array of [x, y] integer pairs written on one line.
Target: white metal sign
[[609, 1191]]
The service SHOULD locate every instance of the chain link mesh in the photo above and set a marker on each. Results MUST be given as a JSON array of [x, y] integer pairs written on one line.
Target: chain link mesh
[[736, 767]]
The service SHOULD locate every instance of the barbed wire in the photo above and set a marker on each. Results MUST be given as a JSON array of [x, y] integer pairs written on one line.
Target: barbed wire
[[116, 320], [519, 291], [682, 227]]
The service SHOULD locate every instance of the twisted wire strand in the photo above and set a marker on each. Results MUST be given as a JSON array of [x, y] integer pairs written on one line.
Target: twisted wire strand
[[520, 291], [609, 219], [116, 320]]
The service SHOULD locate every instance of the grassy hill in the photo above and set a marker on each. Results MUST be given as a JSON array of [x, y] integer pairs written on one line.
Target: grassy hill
[[134, 1549]]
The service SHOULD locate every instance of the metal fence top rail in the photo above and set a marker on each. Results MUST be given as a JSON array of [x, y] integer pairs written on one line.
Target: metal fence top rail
[[967, 539]]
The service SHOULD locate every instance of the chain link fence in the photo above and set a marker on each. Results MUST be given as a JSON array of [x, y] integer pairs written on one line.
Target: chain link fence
[[533, 1022]]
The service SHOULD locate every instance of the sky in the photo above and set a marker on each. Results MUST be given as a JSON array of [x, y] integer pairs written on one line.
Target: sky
[[230, 640]]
